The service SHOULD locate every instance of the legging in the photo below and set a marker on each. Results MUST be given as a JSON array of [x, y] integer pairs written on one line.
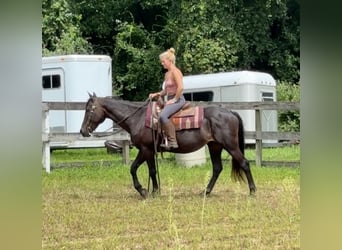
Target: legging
[[170, 109]]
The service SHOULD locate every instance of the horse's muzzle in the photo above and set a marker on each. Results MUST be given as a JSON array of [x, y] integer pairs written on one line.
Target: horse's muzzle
[[84, 132]]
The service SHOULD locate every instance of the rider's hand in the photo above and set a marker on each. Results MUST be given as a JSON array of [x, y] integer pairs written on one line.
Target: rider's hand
[[152, 95]]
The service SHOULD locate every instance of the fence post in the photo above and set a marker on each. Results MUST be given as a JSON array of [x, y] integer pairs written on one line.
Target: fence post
[[125, 152], [258, 139], [45, 139]]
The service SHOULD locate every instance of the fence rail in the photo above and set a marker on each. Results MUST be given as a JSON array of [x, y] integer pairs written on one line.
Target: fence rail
[[75, 140], [258, 134], [259, 105]]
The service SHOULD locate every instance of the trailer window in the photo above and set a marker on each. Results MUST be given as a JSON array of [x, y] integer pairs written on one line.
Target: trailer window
[[267, 97], [51, 81], [205, 96]]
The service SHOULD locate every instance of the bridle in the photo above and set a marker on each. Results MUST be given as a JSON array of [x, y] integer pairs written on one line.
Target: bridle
[[92, 110]]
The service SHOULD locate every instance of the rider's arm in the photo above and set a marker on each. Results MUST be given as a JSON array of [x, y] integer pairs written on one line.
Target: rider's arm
[[178, 78]]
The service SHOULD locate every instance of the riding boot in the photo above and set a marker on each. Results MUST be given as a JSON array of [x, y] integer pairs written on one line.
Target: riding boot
[[170, 132]]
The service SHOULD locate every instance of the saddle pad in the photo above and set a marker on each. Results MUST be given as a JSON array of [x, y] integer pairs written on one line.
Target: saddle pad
[[185, 112], [183, 119]]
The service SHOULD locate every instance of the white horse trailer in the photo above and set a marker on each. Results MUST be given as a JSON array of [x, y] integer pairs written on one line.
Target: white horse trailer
[[239, 86], [69, 78]]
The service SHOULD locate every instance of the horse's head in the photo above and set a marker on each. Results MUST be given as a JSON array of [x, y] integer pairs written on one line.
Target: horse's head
[[94, 115]]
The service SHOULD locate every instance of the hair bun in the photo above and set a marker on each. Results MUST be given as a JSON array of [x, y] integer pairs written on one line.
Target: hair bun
[[172, 50]]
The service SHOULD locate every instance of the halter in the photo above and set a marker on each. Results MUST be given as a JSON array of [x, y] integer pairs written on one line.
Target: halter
[[93, 107]]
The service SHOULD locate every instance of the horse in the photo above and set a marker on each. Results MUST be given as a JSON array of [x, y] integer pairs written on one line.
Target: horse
[[220, 129]]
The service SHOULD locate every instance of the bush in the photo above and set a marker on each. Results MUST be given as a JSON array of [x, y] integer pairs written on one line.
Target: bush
[[288, 120]]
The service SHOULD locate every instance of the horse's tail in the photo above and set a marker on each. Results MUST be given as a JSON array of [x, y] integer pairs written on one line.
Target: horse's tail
[[237, 172], [241, 134]]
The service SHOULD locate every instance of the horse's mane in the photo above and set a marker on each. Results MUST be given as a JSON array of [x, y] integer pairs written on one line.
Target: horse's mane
[[126, 102], [114, 97]]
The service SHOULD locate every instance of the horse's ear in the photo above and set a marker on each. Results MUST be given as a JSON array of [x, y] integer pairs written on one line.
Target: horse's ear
[[92, 95]]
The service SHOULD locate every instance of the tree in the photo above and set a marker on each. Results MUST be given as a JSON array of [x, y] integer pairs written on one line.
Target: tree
[[288, 120], [214, 36], [136, 64], [209, 36], [60, 30], [202, 34], [269, 37]]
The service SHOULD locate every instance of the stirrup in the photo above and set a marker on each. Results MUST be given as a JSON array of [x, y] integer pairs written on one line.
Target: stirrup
[[165, 143], [173, 145], [169, 146]]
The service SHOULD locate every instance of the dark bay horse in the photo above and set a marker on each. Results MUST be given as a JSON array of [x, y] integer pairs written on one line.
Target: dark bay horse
[[221, 129]]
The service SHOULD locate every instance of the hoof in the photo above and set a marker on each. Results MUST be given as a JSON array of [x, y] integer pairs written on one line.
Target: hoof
[[204, 193], [252, 191], [144, 193], [155, 193]]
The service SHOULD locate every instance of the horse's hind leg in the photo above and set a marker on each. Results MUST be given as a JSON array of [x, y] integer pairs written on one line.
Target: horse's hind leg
[[215, 151], [240, 163]]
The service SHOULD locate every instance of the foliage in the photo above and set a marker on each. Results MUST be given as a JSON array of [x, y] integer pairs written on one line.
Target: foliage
[[269, 37], [60, 30], [216, 36], [288, 120], [209, 36], [99, 21], [202, 48], [207, 56], [135, 61]]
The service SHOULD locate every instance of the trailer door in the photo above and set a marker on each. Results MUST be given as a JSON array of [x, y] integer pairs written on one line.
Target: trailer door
[[53, 90]]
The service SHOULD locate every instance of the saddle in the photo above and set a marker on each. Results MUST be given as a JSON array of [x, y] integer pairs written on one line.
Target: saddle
[[188, 117]]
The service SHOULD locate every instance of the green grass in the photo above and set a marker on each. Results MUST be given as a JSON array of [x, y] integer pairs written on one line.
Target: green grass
[[96, 206]]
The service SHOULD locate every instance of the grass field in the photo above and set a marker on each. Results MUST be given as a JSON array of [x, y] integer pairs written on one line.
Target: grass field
[[96, 206]]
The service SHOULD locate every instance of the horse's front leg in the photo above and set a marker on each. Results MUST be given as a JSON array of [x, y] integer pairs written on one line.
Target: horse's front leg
[[152, 172], [134, 167]]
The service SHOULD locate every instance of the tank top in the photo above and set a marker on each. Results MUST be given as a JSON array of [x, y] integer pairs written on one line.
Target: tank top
[[170, 87]]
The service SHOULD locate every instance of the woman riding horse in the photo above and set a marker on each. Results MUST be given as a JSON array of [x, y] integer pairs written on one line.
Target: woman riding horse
[[220, 129], [173, 92]]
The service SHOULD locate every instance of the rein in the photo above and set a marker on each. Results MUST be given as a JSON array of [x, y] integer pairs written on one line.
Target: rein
[[155, 140], [106, 132], [124, 119], [136, 110], [154, 136]]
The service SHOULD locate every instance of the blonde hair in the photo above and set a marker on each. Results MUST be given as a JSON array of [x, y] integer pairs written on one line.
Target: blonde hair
[[169, 54]]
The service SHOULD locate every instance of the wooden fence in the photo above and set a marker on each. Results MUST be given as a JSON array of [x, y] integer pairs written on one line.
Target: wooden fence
[[260, 135], [75, 140]]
